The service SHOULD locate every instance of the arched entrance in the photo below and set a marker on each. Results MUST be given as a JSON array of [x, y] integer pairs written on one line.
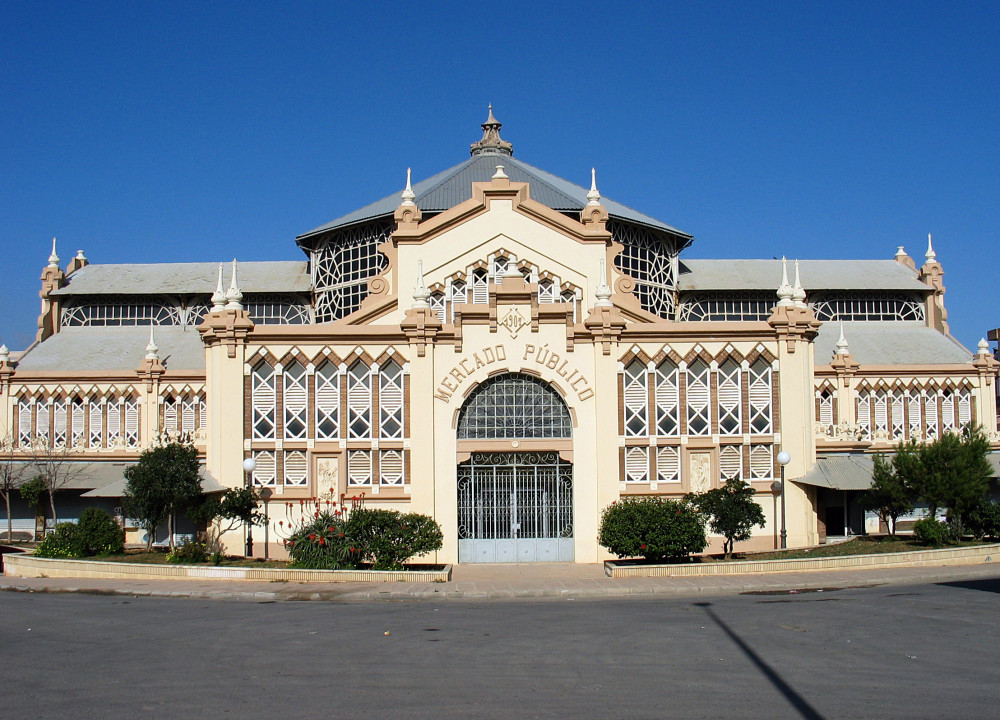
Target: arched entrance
[[515, 486]]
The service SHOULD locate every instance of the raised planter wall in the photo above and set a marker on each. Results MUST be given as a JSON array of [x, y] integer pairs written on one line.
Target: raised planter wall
[[24, 565], [945, 556]]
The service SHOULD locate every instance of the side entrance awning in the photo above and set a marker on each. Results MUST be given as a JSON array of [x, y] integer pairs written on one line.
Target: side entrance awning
[[853, 471]]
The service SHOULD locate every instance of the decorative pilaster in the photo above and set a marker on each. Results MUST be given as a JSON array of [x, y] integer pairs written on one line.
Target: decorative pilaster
[[227, 324], [79, 261], [407, 215], [903, 259], [421, 323], [594, 215], [933, 274], [52, 278], [988, 369], [605, 321], [793, 321]]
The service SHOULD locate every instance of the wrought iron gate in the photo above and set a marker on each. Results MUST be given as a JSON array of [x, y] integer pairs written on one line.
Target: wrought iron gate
[[515, 507]]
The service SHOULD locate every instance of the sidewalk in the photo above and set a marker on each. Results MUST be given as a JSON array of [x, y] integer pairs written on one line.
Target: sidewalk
[[541, 581]]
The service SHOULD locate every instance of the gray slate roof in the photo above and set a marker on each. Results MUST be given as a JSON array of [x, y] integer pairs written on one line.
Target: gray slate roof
[[890, 343], [187, 278], [815, 275], [115, 348], [840, 472], [453, 186]]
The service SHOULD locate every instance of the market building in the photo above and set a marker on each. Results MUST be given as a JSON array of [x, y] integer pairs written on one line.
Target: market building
[[503, 350]]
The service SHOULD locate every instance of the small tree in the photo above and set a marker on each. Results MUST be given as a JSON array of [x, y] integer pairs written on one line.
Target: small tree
[[731, 512], [33, 493], [56, 465], [223, 514], [166, 479], [12, 474], [888, 497], [653, 528]]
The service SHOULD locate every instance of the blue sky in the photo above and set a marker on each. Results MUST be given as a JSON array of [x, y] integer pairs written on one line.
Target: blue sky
[[176, 131]]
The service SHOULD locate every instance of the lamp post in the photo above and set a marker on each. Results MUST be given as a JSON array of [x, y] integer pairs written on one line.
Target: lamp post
[[775, 489], [783, 459], [249, 465], [265, 495]]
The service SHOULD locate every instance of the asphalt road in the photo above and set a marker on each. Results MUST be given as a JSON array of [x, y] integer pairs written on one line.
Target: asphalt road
[[927, 651]]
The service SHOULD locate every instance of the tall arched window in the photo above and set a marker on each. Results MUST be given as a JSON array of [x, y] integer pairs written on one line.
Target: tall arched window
[[514, 406]]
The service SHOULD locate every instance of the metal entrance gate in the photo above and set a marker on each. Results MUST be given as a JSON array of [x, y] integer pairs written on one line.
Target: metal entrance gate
[[515, 507]]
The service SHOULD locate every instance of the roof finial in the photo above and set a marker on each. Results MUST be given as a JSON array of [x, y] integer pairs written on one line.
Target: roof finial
[[842, 343], [4, 355], [900, 252], [491, 144], [421, 295], [593, 196], [499, 174], [984, 348], [152, 352], [408, 194], [603, 291], [53, 258], [784, 290], [798, 293], [219, 296], [931, 255], [234, 298]]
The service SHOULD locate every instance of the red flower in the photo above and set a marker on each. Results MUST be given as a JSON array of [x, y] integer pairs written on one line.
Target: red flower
[[352, 549], [341, 534], [322, 541], [331, 528], [642, 547], [312, 537], [316, 514]]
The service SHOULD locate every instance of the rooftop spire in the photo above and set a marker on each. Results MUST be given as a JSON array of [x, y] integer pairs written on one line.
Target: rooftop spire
[[842, 348], [593, 196], [234, 298], [421, 295], [53, 258], [219, 296], [603, 292], [798, 292], [785, 290], [408, 195], [491, 144], [931, 255], [152, 352]]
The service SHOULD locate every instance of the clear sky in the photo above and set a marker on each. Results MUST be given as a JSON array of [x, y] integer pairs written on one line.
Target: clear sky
[[199, 131]]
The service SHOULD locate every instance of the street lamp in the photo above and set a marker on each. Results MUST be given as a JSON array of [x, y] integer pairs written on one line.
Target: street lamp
[[249, 465], [265, 495], [783, 459]]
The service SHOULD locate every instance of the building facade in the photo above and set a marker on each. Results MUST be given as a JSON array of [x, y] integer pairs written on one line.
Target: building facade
[[507, 352]]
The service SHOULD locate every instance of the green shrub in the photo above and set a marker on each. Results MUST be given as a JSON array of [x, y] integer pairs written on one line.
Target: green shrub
[[65, 541], [983, 521], [189, 552], [388, 538], [652, 528], [932, 532], [322, 544], [100, 533]]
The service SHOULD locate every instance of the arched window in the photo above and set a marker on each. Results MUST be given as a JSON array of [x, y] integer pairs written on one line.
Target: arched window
[[514, 406]]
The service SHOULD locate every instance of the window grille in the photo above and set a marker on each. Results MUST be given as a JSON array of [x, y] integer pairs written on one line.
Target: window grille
[[114, 421], [263, 398], [390, 398], [730, 396], [637, 464], [25, 431], [276, 309], [668, 464], [636, 399], [881, 404], [723, 306], [864, 415], [327, 402], [390, 467], [668, 421], [42, 421], [761, 462], [964, 407], [202, 417], [898, 419], [546, 291], [170, 415], [265, 472], [60, 410], [359, 401], [438, 305], [498, 267], [650, 260], [295, 397], [130, 411], [195, 311], [948, 421], [730, 463], [699, 405], [96, 418], [931, 414], [915, 424], [359, 467], [826, 408], [761, 378], [343, 265], [120, 310], [77, 422], [514, 406], [867, 307], [188, 405], [295, 468], [480, 287]]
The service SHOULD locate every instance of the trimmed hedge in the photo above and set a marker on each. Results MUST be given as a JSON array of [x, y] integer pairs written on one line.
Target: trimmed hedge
[[652, 528]]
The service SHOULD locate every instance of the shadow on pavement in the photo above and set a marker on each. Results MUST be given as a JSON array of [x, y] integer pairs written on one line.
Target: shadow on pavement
[[986, 584]]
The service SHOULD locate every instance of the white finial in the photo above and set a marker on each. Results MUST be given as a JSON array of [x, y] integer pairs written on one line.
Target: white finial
[[593, 196], [53, 258], [842, 343], [234, 298], [603, 292], [798, 293], [408, 194], [80, 255], [219, 296], [152, 352], [931, 255], [4, 354], [984, 347], [500, 174], [421, 295], [784, 290], [900, 252]]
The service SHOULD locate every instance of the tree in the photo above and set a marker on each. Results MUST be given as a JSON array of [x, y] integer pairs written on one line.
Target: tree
[[12, 475], [731, 512], [951, 472], [888, 497], [653, 528], [236, 506], [56, 466], [166, 479]]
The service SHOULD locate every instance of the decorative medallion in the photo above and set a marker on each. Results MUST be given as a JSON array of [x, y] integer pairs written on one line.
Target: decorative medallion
[[513, 321]]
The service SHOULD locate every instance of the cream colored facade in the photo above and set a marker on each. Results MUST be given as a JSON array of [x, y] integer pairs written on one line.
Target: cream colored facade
[[494, 287]]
